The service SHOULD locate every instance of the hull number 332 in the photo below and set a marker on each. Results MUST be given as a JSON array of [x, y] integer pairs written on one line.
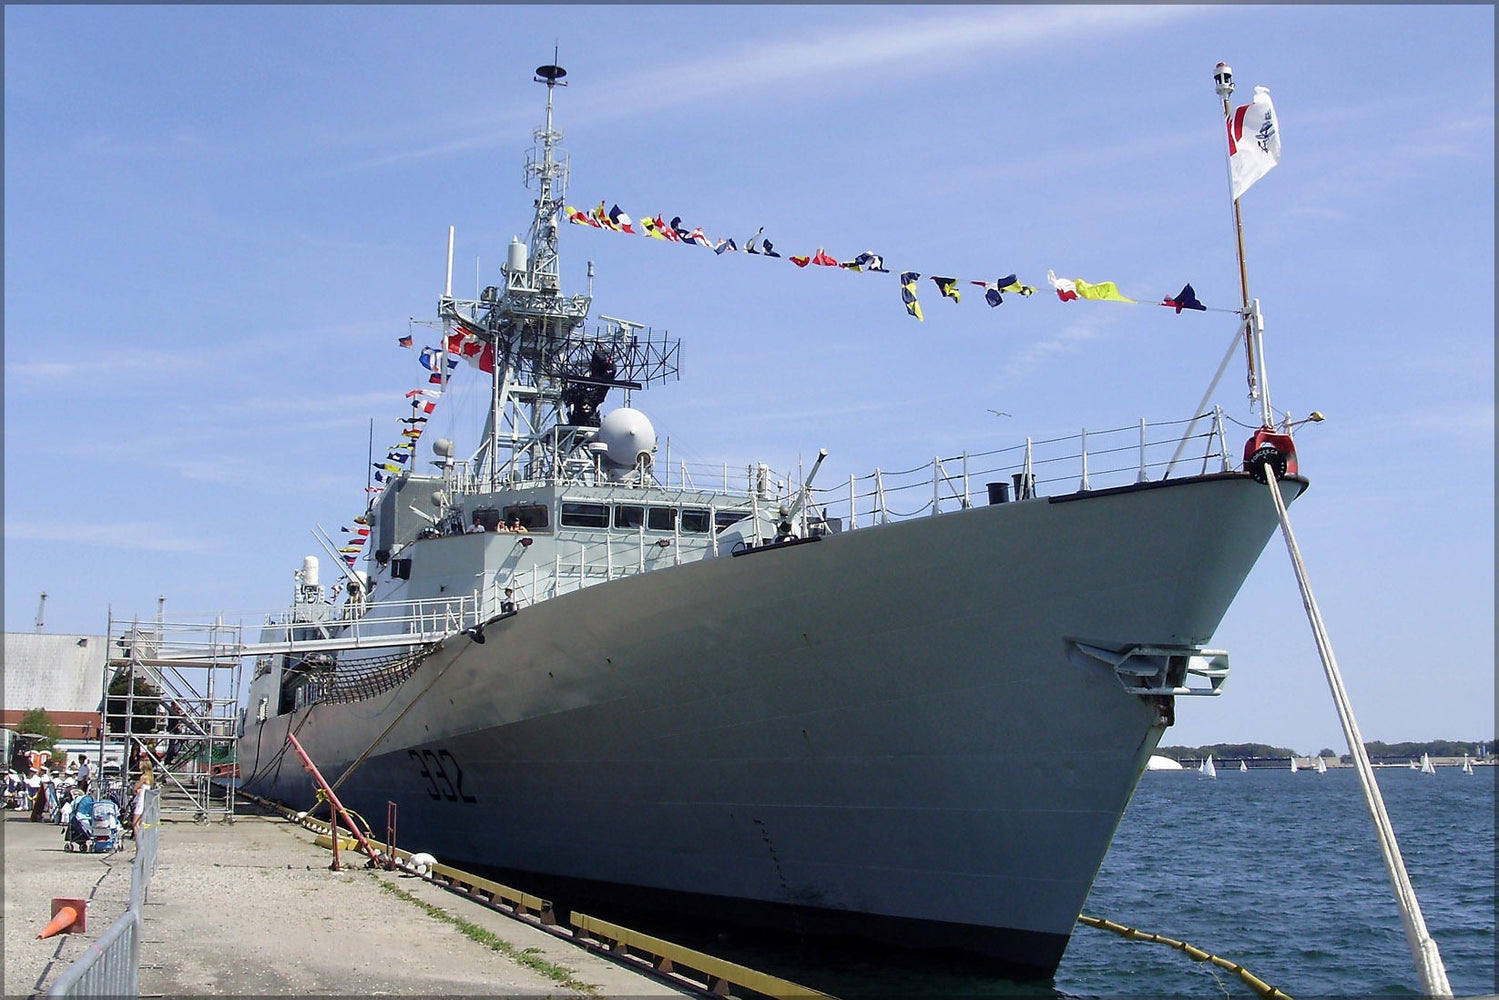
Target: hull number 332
[[443, 775]]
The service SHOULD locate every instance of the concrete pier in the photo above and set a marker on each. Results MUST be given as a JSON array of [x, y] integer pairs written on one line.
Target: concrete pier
[[251, 908]]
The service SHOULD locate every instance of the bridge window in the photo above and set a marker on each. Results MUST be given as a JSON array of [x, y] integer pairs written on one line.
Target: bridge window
[[695, 520], [661, 518], [585, 515], [533, 516], [629, 515], [723, 518]]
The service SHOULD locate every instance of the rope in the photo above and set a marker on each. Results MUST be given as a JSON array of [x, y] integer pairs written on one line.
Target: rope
[[393, 723], [1429, 966], [1255, 983], [321, 796]]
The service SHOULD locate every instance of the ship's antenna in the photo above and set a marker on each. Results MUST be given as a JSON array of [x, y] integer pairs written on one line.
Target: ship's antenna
[[548, 172], [1254, 347], [447, 289]]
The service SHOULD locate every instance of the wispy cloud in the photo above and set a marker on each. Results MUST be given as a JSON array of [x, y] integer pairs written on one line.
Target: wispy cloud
[[911, 45], [233, 471], [1067, 340], [1462, 421], [902, 46], [486, 132], [348, 407], [1369, 164], [137, 370], [137, 535]]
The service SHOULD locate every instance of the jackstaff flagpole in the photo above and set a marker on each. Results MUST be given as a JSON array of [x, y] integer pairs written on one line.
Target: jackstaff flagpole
[[1254, 348]]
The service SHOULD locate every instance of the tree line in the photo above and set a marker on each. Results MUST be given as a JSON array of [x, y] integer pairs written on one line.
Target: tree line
[[1379, 751]]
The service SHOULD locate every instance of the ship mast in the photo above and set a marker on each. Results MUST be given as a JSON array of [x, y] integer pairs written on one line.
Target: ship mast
[[548, 375], [526, 324]]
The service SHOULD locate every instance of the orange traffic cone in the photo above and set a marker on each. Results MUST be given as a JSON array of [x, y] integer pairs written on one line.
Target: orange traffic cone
[[67, 915]]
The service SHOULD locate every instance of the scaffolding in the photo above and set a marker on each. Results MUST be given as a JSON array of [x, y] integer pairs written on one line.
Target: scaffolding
[[171, 696], [172, 689]]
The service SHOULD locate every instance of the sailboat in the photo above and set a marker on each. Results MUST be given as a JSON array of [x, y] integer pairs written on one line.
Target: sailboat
[[1426, 767], [1293, 764], [1467, 765], [1243, 766], [1321, 766], [1207, 769]]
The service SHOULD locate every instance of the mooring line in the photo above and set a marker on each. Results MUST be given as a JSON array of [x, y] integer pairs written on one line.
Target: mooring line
[[1255, 983], [1429, 965]]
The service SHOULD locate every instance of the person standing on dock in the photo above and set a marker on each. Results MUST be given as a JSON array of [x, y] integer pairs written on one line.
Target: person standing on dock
[[37, 783], [138, 801]]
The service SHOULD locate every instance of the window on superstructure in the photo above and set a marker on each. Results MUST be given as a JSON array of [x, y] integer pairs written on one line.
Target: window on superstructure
[[585, 515], [533, 516], [695, 520], [661, 518], [723, 518], [629, 515]]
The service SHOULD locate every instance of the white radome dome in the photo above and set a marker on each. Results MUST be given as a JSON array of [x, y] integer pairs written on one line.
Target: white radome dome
[[627, 434]]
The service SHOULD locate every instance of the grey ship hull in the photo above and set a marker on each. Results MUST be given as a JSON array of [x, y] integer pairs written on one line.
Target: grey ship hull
[[881, 733]]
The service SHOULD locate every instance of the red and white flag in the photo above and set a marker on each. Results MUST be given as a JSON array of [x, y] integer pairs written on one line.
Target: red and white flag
[[1253, 142]]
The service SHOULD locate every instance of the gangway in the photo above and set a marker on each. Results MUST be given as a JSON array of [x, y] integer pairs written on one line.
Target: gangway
[[172, 689]]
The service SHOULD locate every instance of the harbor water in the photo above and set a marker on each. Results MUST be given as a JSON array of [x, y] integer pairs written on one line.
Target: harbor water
[[1281, 872], [1277, 871]]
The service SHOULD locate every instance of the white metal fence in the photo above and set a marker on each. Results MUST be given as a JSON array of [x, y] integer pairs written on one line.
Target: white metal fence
[[1085, 461], [111, 967]]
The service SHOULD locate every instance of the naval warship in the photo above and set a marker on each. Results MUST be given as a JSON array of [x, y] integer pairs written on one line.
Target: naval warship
[[746, 701]]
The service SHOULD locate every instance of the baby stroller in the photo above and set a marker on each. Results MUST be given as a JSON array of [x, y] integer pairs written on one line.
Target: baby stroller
[[108, 830], [100, 835]]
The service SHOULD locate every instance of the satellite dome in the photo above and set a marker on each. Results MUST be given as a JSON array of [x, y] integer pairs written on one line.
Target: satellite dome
[[627, 434]]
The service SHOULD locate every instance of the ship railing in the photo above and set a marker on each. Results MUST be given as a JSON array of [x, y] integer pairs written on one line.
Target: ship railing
[[205, 641], [705, 478], [217, 643], [1085, 461], [398, 623], [594, 564], [1088, 460], [1081, 462]]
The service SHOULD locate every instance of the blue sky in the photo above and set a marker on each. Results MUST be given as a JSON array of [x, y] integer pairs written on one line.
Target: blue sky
[[218, 221]]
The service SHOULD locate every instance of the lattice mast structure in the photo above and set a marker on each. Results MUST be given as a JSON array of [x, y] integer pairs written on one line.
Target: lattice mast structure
[[538, 340]]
